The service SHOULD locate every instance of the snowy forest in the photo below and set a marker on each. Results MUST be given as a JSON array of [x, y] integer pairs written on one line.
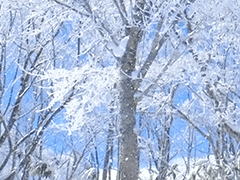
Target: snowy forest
[[119, 89]]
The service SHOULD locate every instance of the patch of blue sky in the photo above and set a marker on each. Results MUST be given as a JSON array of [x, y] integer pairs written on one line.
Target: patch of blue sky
[[55, 137], [179, 138], [179, 134], [151, 31], [65, 31], [11, 87], [181, 95], [69, 54], [56, 141], [67, 48], [183, 28]]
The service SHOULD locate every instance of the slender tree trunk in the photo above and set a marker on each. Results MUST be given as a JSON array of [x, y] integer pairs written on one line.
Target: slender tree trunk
[[108, 151], [164, 148], [111, 162], [97, 163], [25, 174]]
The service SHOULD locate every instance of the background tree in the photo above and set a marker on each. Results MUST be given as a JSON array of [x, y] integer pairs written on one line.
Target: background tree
[[24, 57]]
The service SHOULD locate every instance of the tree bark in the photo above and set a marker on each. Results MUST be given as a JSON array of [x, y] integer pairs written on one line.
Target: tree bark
[[108, 151], [128, 162]]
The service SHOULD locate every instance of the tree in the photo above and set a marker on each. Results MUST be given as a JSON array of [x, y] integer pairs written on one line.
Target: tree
[[24, 48], [134, 18]]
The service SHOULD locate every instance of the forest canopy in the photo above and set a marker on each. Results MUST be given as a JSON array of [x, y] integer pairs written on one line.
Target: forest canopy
[[119, 89]]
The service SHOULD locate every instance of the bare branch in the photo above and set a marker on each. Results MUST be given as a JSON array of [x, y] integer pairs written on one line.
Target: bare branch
[[122, 11], [72, 8], [157, 44]]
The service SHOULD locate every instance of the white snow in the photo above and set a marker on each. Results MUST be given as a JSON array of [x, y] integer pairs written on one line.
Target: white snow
[[119, 50]]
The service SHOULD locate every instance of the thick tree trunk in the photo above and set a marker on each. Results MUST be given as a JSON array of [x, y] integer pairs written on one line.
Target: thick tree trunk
[[128, 165]]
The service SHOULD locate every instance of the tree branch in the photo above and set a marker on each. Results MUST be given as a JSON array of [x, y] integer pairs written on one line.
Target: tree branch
[[72, 8], [156, 46]]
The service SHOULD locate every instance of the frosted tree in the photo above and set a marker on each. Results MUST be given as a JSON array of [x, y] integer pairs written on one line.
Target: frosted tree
[[25, 40], [127, 64], [131, 52], [214, 104]]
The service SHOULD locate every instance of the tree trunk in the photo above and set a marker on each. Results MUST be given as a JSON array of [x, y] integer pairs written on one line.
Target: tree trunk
[[108, 151], [128, 162]]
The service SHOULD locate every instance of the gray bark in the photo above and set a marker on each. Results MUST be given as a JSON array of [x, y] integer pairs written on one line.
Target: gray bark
[[11, 176], [164, 147], [128, 162], [128, 148], [108, 151]]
